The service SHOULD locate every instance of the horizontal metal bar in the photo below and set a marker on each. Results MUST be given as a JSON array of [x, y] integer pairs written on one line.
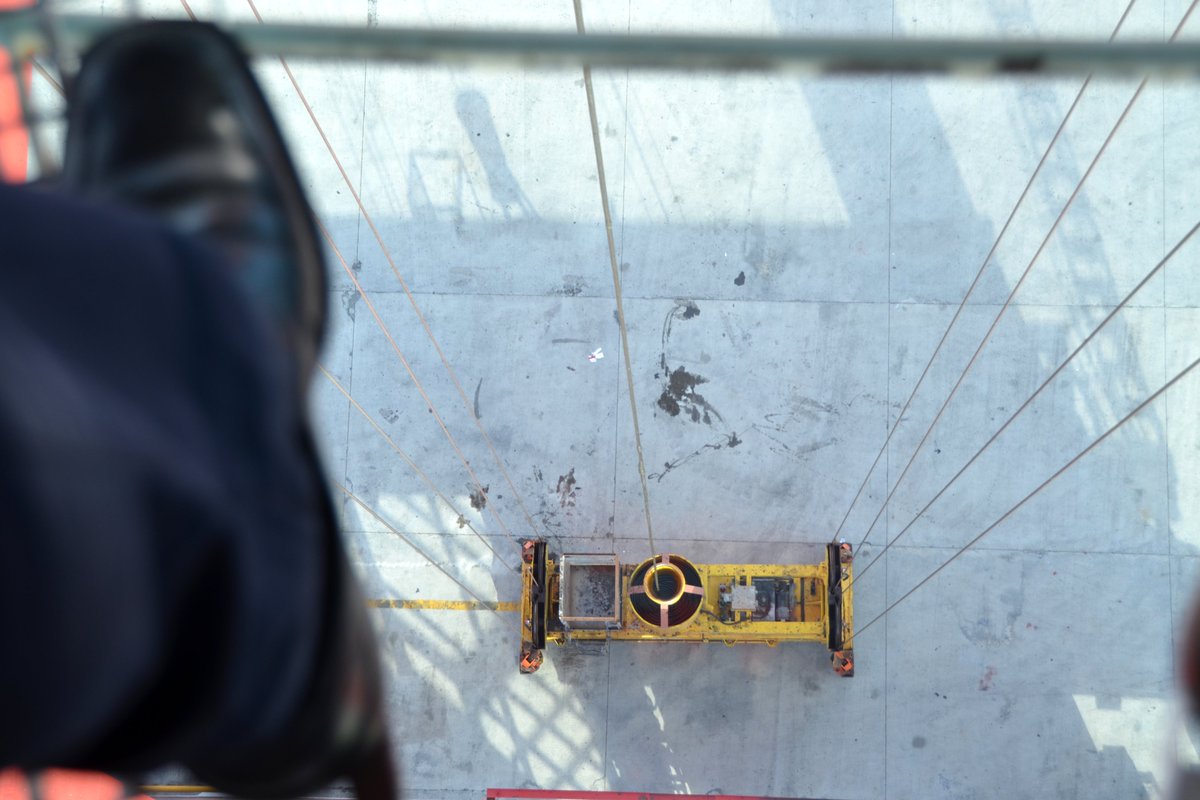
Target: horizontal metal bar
[[570, 794], [530, 49]]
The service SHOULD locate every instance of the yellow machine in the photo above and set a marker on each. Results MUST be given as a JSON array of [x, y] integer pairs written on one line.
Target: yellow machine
[[586, 597]]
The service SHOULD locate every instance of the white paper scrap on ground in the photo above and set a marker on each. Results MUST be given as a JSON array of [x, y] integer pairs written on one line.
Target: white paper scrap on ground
[[596, 355]]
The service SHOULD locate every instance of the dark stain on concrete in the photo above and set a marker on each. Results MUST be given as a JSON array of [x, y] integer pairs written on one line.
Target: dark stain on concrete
[[478, 386], [567, 489], [918, 742], [998, 626], [740, 280], [572, 286], [479, 498], [725, 442], [390, 414], [350, 302], [687, 309], [668, 404], [679, 393]]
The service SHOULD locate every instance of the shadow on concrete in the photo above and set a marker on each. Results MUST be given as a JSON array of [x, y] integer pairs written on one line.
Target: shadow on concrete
[[476, 117]]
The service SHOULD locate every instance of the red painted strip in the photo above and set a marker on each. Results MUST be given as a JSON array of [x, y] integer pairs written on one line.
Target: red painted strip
[[14, 787], [63, 784], [14, 138]]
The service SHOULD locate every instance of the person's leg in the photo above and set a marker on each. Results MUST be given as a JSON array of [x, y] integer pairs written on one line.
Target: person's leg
[[262, 672], [157, 482]]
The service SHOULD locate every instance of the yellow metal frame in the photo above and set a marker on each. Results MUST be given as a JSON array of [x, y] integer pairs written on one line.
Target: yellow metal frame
[[811, 617]]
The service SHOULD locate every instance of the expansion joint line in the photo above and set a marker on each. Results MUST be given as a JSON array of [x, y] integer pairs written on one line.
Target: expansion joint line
[[387, 254], [1020, 282], [412, 375], [616, 278], [1179, 376], [974, 283], [1095, 331], [483, 603]]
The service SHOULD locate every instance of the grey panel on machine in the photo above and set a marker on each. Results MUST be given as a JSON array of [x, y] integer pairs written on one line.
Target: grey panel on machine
[[588, 591]]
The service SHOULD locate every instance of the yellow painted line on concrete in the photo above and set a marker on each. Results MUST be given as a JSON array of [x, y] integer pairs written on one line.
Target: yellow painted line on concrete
[[444, 605], [181, 788]]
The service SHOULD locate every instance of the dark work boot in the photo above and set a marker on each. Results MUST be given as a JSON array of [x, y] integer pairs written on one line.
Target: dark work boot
[[166, 117]]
